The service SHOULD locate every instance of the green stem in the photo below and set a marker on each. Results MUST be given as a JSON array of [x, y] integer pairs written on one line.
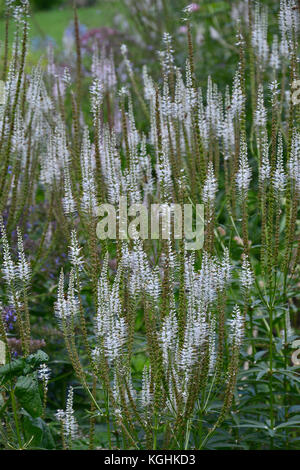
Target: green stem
[[15, 413], [271, 371]]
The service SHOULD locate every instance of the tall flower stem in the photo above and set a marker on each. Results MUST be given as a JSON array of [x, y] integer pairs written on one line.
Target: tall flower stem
[[271, 372]]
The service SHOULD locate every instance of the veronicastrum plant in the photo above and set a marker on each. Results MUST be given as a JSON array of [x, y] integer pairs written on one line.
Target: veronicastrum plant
[[172, 349]]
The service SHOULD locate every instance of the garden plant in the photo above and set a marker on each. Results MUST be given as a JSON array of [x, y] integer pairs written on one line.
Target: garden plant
[[119, 339]]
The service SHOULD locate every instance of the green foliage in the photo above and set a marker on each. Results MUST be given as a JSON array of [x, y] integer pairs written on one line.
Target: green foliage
[[37, 432], [22, 366], [46, 4], [61, 141], [27, 392]]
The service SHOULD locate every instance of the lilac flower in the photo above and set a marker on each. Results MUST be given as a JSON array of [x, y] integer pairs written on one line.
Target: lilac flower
[[9, 316], [192, 7]]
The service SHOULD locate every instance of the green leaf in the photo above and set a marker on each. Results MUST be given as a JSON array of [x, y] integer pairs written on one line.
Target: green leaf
[[294, 421], [39, 430], [37, 358], [22, 366], [259, 355], [294, 409], [27, 392], [12, 369], [251, 423], [261, 374]]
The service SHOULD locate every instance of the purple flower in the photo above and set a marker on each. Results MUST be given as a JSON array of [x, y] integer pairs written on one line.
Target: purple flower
[[192, 7], [182, 29], [9, 316]]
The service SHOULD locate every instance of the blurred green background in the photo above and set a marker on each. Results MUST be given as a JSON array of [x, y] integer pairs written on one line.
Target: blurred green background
[[51, 17]]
